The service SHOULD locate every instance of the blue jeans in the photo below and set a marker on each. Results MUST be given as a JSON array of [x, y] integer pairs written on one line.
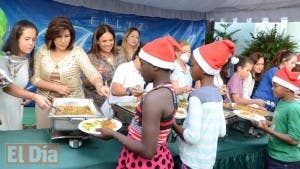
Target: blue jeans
[[271, 163]]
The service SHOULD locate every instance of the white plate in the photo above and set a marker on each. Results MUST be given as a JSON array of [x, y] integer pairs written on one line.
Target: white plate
[[252, 116], [180, 113], [92, 130]]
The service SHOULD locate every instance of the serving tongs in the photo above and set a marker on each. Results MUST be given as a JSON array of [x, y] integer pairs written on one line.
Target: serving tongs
[[231, 105], [55, 108], [50, 98]]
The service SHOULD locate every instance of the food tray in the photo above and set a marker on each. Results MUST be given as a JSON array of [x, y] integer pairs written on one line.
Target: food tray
[[73, 102], [247, 108], [70, 122]]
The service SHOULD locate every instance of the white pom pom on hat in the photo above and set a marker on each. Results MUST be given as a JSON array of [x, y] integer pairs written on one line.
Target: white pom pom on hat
[[160, 52], [288, 79], [213, 56]]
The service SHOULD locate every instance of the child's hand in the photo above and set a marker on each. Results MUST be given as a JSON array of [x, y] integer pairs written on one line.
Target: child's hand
[[106, 133], [263, 124]]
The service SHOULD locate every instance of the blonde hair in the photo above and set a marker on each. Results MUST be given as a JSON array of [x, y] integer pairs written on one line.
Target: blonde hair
[[183, 43], [125, 43]]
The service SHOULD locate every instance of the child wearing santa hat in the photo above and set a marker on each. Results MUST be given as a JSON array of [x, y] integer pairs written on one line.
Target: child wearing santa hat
[[205, 120], [146, 143], [283, 58], [284, 132]]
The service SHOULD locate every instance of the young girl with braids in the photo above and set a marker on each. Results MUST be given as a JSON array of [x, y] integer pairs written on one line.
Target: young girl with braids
[[146, 143]]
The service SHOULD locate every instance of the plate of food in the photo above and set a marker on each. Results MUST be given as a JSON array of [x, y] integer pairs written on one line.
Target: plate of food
[[89, 126], [249, 115], [253, 110], [180, 113]]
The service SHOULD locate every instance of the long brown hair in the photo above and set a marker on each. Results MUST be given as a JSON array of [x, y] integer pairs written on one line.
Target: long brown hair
[[281, 57], [55, 28], [11, 46], [255, 57], [100, 30]]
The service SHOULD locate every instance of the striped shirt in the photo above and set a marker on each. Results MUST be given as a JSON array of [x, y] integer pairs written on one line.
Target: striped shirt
[[203, 125], [135, 128]]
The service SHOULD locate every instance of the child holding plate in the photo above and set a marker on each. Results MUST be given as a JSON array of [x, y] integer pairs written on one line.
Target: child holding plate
[[146, 143], [205, 121], [283, 150]]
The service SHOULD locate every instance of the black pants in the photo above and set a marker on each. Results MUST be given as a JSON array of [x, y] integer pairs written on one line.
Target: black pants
[[271, 163]]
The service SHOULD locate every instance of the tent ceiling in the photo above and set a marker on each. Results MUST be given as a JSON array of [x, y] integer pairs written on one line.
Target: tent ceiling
[[199, 9], [213, 5]]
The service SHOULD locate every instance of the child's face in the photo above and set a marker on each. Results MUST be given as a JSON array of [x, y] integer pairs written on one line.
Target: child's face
[[278, 90], [146, 70], [195, 69], [244, 72]]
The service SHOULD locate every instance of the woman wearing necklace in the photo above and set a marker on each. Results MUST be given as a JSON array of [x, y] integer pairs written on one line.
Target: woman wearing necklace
[[14, 64], [104, 56]]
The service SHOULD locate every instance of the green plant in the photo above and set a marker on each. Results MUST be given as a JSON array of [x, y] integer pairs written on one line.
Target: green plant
[[216, 34], [269, 43]]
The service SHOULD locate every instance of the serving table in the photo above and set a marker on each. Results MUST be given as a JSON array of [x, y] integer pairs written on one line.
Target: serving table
[[235, 152]]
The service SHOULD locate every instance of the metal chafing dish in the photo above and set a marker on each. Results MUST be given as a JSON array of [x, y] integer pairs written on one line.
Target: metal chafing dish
[[243, 125], [124, 113], [66, 126]]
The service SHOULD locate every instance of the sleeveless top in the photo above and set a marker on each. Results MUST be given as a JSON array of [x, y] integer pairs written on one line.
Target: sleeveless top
[[135, 128]]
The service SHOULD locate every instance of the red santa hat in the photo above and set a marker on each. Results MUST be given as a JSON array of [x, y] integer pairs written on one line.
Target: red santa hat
[[288, 79], [160, 52], [298, 60], [213, 56]]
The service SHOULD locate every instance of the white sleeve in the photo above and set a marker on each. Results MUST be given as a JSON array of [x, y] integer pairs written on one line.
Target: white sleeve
[[248, 87], [119, 75], [222, 131], [192, 133]]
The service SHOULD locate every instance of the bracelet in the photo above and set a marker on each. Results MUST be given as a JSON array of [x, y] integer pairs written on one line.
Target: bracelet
[[128, 92]]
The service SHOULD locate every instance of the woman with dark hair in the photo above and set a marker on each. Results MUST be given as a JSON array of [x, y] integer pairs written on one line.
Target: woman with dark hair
[[130, 43], [57, 67], [14, 64], [105, 58], [251, 82], [284, 58]]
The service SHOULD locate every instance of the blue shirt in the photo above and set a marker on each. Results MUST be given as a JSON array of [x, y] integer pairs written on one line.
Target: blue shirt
[[264, 90]]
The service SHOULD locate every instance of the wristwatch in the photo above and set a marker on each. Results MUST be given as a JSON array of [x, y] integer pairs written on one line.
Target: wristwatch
[[128, 92]]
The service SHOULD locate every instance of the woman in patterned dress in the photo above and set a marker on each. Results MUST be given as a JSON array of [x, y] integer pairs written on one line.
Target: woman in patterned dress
[[104, 56]]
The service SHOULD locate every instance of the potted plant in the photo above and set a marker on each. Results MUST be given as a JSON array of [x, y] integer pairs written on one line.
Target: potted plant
[[269, 43], [215, 34]]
